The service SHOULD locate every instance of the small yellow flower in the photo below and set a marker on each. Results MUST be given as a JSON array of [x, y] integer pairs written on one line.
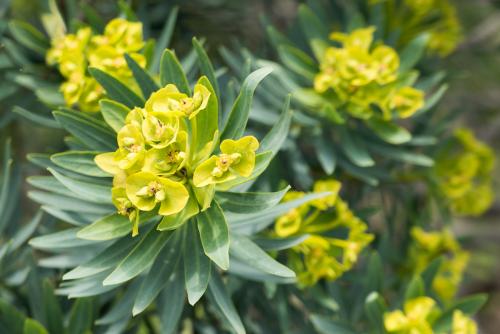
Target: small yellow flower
[[462, 324], [237, 158], [414, 318], [463, 174]]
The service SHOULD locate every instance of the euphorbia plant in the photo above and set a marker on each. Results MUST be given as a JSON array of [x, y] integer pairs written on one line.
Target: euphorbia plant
[[179, 178]]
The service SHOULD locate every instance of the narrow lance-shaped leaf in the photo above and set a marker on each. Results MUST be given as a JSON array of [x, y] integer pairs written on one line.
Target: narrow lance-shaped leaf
[[206, 65], [143, 79], [246, 251], [114, 113], [217, 292], [164, 39], [171, 72], [79, 161], [214, 235], [140, 258], [250, 202], [197, 265], [115, 89], [163, 270], [238, 118]]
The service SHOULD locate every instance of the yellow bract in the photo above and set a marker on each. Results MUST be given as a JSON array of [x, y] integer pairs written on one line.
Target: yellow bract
[[428, 246], [414, 319], [462, 324], [73, 53], [321, 256], [154, 168], [361, 75], [463, 174]]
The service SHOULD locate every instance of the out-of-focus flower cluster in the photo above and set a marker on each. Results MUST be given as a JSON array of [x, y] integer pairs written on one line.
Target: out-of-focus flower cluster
[[427, 246], [463, 174], [359, 75], [439, 18], [74, 53], [157, 166], [418, 316], [336, 235]]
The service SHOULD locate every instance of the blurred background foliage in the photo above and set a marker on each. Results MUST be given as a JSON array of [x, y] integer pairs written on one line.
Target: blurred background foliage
[[473, 75]]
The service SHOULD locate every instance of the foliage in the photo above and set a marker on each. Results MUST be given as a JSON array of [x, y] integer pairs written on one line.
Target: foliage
[[312, 189]]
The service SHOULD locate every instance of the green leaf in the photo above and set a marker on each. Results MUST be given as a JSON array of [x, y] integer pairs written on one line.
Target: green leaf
[[31, 326], [325, 154], [401, 154], [205, 125], [415, 288], [197, 265], [374, 278], [6, 182], [298, 61], [122, 307], [164, 39], [248, 252], [164, 269], [80, 162], [171, 72], [269, 244], [115, 89], [214, 234], [81, 316], [238, 117], [275, 138], [109, 257], [468, 305], [311, 25], [430, 272], [206, 66], [260, 220], [355, 149], [59, 240], [431, 101], [218, 293], [10, 318], [412, 53], [328, 326], [171, 304], [114, 113], [251, 201], [51, 309], [388, 131], [66, 203], [88, 130], [140, 258], [91, 192], [375, 308], [107, 228], [143, 79], [29, 36], [36, 118]]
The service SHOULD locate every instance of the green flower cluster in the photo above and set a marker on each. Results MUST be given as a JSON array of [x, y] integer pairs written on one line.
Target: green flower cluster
[[358, 76], [426, 247], [463, 174], [74, 53], [321, 255], [160, 163]]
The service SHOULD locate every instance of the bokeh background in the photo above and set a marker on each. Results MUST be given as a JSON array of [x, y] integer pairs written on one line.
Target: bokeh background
[[474, 95]]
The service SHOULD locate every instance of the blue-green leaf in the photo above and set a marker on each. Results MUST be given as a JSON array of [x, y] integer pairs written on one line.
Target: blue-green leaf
[[116, 90], [171, 72], [214, 234], [143, 79]]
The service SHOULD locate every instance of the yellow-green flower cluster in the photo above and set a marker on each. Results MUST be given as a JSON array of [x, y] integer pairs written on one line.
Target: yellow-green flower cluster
[[74, 53], [427, 246], [155, 166], [418, 315], [322, 255], [463, 174], [445, 30], [361, 74]]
